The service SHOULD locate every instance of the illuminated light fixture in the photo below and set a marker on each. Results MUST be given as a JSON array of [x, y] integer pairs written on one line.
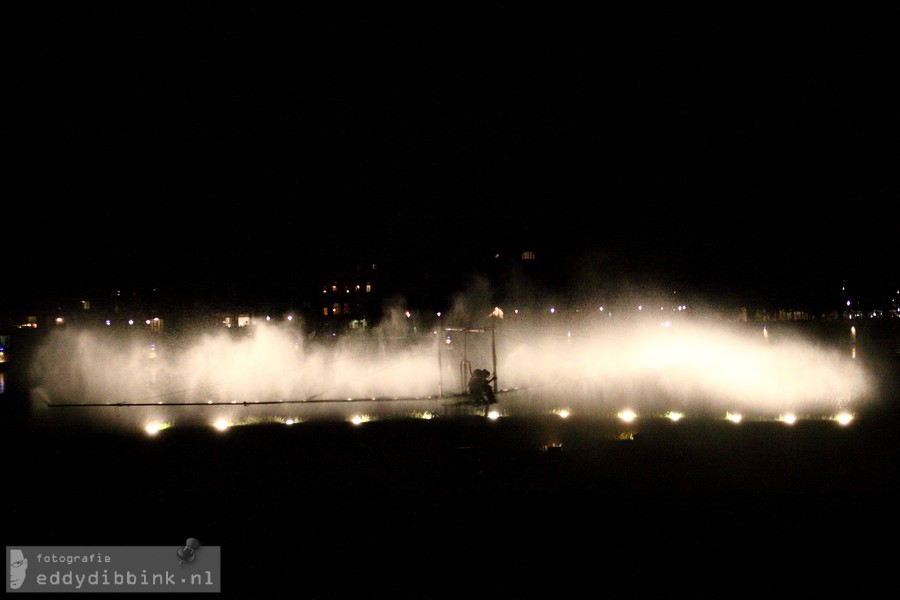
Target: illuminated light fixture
[[154, 427], [222, 425], [627, 415], [552, 310], [674, 416], [789, 418], [843, 418], [563, 413], [131, 321], [734, 417], [493, 415], [360, 419], [497, 312], [59, 320], [289, 421]]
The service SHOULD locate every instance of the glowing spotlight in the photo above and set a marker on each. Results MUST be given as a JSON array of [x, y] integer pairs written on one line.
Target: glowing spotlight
[[734, 417], [222, 425], [563, 413], [493, 415], [360, 419], [789, 418], [674, 416], [289, 421], [843, 418], [154, 427], [627, 415]]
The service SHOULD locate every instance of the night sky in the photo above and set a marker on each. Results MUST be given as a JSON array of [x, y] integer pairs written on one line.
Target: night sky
[[183, 145]]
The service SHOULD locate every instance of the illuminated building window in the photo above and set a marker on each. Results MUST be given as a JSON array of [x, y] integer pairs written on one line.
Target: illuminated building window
[[324, 311], [334, 288], [368, 286], [336, 309], [528, 256]]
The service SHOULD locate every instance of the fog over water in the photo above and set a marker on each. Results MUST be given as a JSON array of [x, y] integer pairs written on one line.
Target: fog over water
[[590, 366]]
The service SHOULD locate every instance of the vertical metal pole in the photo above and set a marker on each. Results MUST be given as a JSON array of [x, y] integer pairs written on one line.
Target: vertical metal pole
[[494, 355], [440, 339], [464, 365]]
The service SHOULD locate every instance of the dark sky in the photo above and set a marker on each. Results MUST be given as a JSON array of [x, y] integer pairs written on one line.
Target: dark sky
[[185, 142]]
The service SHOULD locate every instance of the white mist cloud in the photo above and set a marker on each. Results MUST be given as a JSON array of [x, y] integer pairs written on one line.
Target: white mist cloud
[[688, 365]]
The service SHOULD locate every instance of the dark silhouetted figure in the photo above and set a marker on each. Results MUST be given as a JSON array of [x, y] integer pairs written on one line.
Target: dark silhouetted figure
[[480, 386]]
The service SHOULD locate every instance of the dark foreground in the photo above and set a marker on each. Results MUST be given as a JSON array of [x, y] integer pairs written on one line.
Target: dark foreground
[[470, 508]]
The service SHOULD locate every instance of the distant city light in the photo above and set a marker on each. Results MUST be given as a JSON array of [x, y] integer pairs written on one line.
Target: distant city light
[[493, 415], [222, 425], [789, 418], [734, 417], [674, 416], [563, 413]]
